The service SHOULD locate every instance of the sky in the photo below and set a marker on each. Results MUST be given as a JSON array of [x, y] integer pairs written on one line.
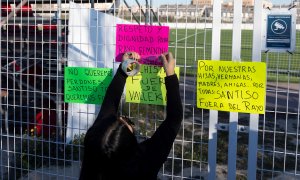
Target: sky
[[157, 3]]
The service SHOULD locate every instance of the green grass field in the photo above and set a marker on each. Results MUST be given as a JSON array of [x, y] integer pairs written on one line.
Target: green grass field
[[191, 45]]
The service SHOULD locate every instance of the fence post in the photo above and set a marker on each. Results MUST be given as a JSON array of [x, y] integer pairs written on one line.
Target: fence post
[[233, 117], [256, 57], [213, 114], [59, 75], [147, 16], [151, 12]]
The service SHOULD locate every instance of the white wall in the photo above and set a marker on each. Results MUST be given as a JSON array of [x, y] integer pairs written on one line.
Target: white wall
[[91, 42]]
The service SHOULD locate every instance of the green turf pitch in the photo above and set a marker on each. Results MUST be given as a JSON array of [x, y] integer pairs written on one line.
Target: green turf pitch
[[190, 45]]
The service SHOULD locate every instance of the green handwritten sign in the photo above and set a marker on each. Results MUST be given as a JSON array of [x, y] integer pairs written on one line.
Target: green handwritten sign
[[148, 86], [231, 86], [86, 85]]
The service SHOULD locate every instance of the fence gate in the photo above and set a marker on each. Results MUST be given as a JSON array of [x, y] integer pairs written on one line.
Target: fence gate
[[42, 135], [232, 127]]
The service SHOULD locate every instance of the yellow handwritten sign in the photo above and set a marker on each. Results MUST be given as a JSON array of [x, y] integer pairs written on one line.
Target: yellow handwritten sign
[[231, 86], [148, 86]]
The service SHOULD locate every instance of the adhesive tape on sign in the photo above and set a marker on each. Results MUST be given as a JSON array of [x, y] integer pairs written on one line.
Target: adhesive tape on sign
[[130, 67]]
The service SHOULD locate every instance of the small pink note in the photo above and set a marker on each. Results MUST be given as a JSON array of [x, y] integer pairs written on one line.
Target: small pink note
[[149, 41]]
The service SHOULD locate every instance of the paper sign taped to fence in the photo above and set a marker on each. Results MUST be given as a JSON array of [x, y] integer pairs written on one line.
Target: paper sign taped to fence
[[148, 86], [86, 85], [231, 86], [148, 41]]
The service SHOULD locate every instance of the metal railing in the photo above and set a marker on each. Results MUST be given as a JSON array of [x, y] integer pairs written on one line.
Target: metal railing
[[36, 46]]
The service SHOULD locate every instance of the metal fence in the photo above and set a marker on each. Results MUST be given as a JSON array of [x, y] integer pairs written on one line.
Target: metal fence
[[37, 126]]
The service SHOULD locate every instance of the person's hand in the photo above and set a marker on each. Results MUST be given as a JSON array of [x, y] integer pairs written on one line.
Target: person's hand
[[168, 63], [128, 66], [131, 55]]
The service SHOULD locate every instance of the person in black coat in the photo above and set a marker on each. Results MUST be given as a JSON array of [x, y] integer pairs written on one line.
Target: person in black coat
[[111, 150]]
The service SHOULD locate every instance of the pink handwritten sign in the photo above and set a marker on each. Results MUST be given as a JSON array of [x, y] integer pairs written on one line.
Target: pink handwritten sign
[[149, 41]]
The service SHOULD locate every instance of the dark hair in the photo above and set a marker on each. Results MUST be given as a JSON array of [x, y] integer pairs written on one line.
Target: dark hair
[[118, 141], [107, 145]]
